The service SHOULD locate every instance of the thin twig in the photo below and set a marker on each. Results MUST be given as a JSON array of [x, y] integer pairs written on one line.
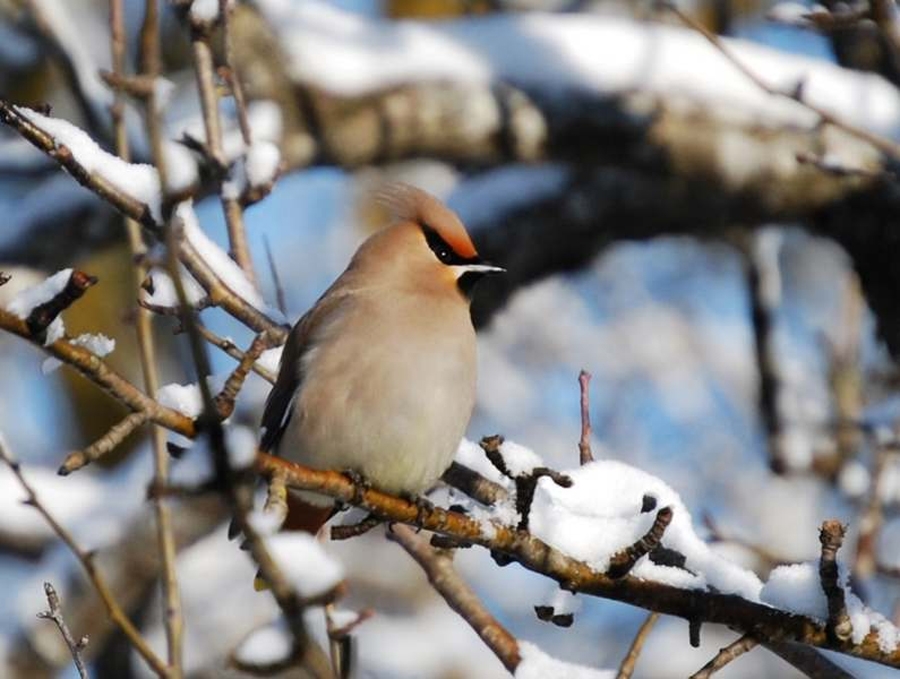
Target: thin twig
[[626, 669], [173, 620], [86, 560], [461, 598], [225, 400], [201, 50], [725, 655], [474, 484], [763, 324], [234, 80], [105, 444], [584, 444], [232, 350], [55, 614], [353, 530]]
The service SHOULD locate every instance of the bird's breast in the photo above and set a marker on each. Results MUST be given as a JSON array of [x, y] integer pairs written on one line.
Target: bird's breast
[[388, 390]]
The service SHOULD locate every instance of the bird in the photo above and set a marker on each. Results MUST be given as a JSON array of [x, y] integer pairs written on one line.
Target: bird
[[378, 378]]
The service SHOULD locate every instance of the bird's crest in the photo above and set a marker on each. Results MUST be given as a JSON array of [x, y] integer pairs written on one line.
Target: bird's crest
[[409, 203]]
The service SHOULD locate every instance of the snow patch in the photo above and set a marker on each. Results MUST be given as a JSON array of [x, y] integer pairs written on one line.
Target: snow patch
[[99, 345], [536, 664], [216, 258], [306, 565], [269, 645], [601, 514]]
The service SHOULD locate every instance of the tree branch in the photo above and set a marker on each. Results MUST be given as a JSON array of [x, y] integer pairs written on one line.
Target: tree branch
[[706, 606], [85, 558], [458, 595]]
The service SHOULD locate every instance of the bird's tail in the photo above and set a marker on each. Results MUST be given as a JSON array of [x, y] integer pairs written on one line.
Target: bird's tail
[[305, 516]]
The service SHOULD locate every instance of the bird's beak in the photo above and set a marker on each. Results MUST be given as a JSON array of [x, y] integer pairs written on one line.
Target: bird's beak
[[482, 268]]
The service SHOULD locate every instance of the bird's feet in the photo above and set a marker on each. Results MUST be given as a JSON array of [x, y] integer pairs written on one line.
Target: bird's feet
[[424, 506], [360, 485]]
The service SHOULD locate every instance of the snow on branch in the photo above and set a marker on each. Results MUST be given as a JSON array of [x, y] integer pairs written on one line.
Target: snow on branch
[[564, 52], [576, 541]]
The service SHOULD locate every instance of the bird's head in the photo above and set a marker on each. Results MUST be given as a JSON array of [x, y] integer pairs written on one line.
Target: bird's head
[[428, 243]]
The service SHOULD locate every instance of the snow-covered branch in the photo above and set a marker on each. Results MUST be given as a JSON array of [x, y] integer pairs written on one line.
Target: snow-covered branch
[[700, 604]]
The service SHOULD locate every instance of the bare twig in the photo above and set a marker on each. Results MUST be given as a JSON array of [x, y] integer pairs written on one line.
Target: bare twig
[[55, 614], [231, 74], [226, 399], [461, 598], [212, 123], [725, 655], [355, 529], [584, 444], [232, 350], [151, 70], [626, 669], [761, 316], [831, 536], [86, 560], [105, 444]]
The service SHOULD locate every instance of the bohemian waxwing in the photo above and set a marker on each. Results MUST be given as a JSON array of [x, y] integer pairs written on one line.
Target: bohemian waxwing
[[378, 377]]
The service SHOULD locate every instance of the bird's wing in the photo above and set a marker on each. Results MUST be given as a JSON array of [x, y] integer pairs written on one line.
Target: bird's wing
[[279, 405]]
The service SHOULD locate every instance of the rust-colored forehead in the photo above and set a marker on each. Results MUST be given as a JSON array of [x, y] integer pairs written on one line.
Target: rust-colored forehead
[[408, 203]]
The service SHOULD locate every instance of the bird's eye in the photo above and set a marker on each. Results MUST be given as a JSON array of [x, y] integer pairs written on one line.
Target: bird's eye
[[439, 247]]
